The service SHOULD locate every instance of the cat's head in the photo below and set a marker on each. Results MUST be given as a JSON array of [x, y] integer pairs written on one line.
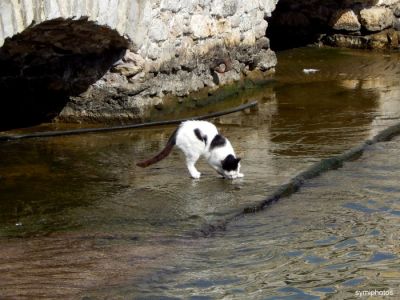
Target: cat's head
[[230, 167]]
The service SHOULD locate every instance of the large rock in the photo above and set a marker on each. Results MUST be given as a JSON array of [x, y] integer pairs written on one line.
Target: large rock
[[201, 26], [130, 65], [265, 60], [345, 20], [127, 69], [158, 31], [376, 18], [224, 8]]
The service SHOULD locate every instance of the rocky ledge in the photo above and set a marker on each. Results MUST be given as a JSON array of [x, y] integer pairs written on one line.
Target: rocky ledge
[[345, 23], [376, 27]]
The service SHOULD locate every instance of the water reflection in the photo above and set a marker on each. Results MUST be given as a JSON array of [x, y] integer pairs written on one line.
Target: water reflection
[[76, 212]]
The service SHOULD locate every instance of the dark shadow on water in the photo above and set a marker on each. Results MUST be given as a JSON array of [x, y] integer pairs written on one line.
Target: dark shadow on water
[[44, 65]]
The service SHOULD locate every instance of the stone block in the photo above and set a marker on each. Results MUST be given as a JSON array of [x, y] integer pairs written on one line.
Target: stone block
[[379, 40], [235, 20], [224, 8], [248, 38], [232, 38], [345, 20], [386, 2], [248, 5], [158, 31], [131, 57], [225, 78], [153, 51], [376, 18], [265, 60], [246, 22], [223, 26], [260, 29], [268, 6], [201, 26], [171, 5], [128, 69], [263, 43], [177, 25]]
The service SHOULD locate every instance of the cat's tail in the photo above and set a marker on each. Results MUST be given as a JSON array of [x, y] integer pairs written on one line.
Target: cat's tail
[[163, 154]]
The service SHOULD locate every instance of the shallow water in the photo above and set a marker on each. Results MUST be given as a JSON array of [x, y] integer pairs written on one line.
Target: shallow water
[[79, 219]]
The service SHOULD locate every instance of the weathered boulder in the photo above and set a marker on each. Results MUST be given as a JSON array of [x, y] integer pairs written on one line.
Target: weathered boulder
[[265, 60], [224, 8], [130, 65], [201, 26], [158, 31], [127, 69], [345, 20], [376, 18]]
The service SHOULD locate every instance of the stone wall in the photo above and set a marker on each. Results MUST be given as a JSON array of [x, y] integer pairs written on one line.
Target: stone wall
[[186, 46], [155, 49]]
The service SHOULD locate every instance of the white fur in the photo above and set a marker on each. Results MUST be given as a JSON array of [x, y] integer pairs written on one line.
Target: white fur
[[193, 148]]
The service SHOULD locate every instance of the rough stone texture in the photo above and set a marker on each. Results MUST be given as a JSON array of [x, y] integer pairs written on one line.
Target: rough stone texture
[[396, 24], [347, 23], [224, 8], [265, 60], [156, 49], [345, 20], [381, 40], [396, 10], [376, 18]]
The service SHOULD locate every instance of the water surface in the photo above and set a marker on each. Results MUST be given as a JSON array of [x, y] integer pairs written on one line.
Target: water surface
[[79, 219]]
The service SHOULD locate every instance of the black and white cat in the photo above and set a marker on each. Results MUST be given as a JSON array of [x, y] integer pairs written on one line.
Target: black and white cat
[[201, 138]]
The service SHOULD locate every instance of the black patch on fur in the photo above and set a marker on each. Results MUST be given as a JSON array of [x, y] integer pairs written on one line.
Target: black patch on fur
[[230, 163], [201, 137], [218, 141]]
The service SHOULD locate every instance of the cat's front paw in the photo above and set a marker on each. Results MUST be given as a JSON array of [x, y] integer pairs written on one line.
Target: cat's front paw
[[195, 175], [240, 175]]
